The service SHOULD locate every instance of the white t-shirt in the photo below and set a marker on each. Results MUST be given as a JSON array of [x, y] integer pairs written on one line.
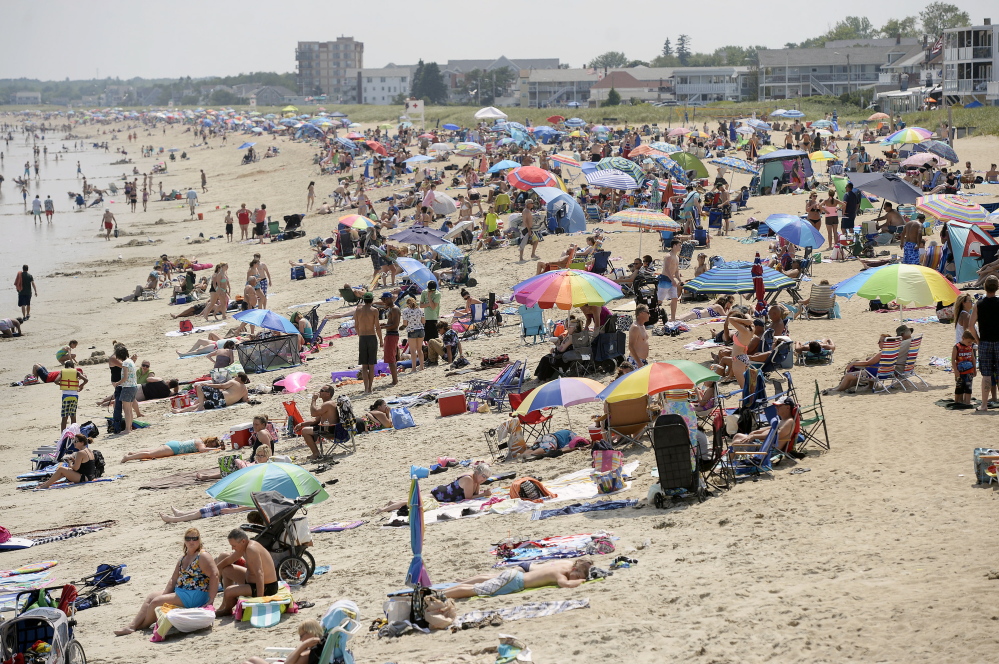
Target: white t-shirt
[[36, 206], [413, 318]]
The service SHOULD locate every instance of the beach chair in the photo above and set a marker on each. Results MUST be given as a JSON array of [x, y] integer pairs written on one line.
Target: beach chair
[[601, 262], [495, 392], [561, 264], [349, 297], [593, 213], [821, 300], [532, 323], [808, 358], [628, 420], [812, 418], [909, 371], [536, 423], [716, 471], [113, 188], [883, 376], [579, 361], [483, 320], [752, 459], [341, 621], [294, 417], [665, 237], [686, 254]]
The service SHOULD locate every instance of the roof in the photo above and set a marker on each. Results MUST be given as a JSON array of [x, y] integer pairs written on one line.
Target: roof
[[859, 55], [721, 70], [382, 71], [618, 79], [562, 75], [650, 74], [883, 41], [466, 66], [280, 89], [915, 56]]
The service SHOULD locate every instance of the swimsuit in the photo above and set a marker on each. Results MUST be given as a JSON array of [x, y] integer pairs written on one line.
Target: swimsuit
[[185, 447], [509, 581], [449, 493], [215, 509], [269, 589], [214, 398], [192, 585], [910, 253]]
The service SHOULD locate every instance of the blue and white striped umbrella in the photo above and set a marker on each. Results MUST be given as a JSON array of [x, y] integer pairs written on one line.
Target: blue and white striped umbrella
[[575, 122], [663, 146], [740, 165], [416, 159], [624, 165], [758, 124], [793, 113], [347, 143], [736, 280], [611, 178], [516, 125], [674, 169]]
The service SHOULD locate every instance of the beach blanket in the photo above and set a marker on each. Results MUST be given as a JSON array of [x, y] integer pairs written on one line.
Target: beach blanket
[[265, 611], [170, 617], [29, 569], [336, 526], [63, 485], [926, 319], [580, 508], [701, 344], [520, 612], [940, 363], [202, 412], [175, 481], [60, 533], [197, 330], [558, 547]]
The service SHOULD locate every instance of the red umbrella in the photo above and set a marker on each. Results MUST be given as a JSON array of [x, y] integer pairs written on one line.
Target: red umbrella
[[377, 147], [526, 178], [760, 291], [556, 118]]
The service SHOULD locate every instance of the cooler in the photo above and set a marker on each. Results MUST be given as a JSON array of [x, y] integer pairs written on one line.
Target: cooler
[[297, 272], [451, 403], [596, 434], [180, 401], [240, 435]]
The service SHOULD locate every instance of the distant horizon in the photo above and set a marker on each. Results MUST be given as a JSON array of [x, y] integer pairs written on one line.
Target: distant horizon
[[59, 39]]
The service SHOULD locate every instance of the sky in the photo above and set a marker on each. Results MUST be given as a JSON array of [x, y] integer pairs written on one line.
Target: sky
[[56, 39]]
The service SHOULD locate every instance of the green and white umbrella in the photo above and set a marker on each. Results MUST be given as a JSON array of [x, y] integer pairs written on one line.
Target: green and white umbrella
[[288, 479]]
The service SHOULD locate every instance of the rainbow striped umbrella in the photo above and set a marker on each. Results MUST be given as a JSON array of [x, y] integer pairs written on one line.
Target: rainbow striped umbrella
[[566, 289], [417, 573], [906, 284], [658, 377], [562, 159], [821, 155], [645, 218], [736, 280], [356, 221], [951, 207], [469, 149], [908, 135], [526, 178], [560, 392]]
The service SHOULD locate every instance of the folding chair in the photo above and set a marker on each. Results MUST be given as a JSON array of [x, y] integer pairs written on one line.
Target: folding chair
[[349, 297], [294, 417], [752, 459], [536, 423], [579, 361], [665, 237], [909, 372], [628, 420], [715, 470], [601, 261], [495, 391], [813, 417], [482, 318], [686, 254], [532, 323]]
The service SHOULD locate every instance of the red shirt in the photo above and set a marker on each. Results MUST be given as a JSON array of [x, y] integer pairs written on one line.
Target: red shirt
[[243, 215], [261, 216]]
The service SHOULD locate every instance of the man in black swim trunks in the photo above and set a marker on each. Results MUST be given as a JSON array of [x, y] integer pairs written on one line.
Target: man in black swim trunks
[[369, 338], [257, 579]]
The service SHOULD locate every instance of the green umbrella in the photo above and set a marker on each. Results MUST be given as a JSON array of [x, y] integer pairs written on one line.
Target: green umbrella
[[690, 163], [288, 479]]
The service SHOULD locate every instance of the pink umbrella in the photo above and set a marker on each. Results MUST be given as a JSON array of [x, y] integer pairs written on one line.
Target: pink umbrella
[[919, 159], [679, 131]]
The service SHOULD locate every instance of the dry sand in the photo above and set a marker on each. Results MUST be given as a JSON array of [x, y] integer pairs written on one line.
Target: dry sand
[[879, 554]]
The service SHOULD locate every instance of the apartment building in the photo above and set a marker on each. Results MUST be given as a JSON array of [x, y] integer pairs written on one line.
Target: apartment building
[[971, 63], [378, 87], [323, 66]]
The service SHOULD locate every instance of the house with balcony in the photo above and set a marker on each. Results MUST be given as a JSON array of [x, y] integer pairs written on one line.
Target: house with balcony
[[971, 63], [553, 88], [380, 86], [701, 85], [647, 84], [26, 97], [837, 68]]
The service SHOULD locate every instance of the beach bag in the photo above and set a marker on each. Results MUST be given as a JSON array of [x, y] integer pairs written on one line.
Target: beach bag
[[107, 576], [186, 326], [528, 488], [419, 603], [4, 534], [220, 375], [439, 612], [98, 463], [227, 464], [89, 429], [402, 418]]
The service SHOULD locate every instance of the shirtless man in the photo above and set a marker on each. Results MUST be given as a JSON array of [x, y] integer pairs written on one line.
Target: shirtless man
[[561, 573], [638, 338], [527, 232], [109, 222], [250, 293], [263, 280], [723, 202], [912, 235], [219, 395], [669, 280], [390, 343], [369, 338], [257, 579], [326, 417], [891, 218]]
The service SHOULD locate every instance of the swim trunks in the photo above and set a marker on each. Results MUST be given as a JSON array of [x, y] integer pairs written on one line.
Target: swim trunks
[[390, 352], [214, 398], [666, 289], [509, 581], [910, 254], [215, 509], [269, 589], [69, 404], [367, 349]]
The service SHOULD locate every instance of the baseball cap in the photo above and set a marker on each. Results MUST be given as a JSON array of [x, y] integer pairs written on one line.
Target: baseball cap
[[368, 297], [785, 400], [386, 295]]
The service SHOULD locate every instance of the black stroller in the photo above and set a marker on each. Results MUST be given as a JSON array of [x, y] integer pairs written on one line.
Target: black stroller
[[647, 293], [285, 535]]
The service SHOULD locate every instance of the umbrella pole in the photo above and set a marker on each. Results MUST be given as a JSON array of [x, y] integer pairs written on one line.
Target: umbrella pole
[[568, 419]]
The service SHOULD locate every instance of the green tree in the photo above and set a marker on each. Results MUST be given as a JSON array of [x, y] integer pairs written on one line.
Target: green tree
[[189, 100], [613, 98], [637, 63], [416, 85], [852, 27], [432, 84], [667, 48], [939, 16], [900, 27], [223, 98], [683, 49], [610, 59], [665, 61]]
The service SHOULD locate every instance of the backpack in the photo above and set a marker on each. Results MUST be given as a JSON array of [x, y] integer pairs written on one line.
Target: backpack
[[528, 488], [89, 429], [747, 420], [98, 464]]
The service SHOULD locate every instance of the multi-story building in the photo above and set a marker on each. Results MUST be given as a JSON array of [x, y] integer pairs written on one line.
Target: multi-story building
[[379, 87], [647, 84], [701, 85], [455, 71], [971, 63], [544, 88], [323, 66]]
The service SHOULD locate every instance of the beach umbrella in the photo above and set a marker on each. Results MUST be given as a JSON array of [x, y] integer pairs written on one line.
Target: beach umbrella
[[623, 165], [698, 134], [823, 132], [920, 158], [611, 178], [940, 149], [779, 113], [886, 185], [793, 113], [266, 319], [690, 163], [288, 479], [503, 165], [417, 574], [966, 242], [821, 124], [745, 131], [417, 272], [821, 155], [353, 135], [561, 392], [658, 377], [450, 127], [356, 221], [555, 119], [678, 131], [758, 124], [448, 250], [906, 284], [418, 235], [673, 169], [663, 146], [516, 125], [759, 290], [526, 178], [645, 218], [737, 280], [246, 145], [566, 289], [575, 122], [377, 147], [908, 135], [878, 116], [736, 164], [440, 147], [795, 230], [490, 113], [444, 204], [564, 160], [347, 143], [951, 207], [469, 149], [289, 109], [416, 159]]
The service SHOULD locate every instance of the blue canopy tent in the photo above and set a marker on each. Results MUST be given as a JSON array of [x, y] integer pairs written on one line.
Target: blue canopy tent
[[574, 220], [779, 164]]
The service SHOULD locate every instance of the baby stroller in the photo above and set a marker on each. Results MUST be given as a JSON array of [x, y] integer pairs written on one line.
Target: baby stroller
[[48, 625], [285, 535], [646, 292]]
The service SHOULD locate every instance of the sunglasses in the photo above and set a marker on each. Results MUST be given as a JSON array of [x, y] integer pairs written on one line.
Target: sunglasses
[[191, 539]]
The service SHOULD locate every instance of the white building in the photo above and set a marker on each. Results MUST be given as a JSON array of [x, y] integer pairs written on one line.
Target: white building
[[701, 85], [971, 63], [378, 87], [27, 98], [547, 88]]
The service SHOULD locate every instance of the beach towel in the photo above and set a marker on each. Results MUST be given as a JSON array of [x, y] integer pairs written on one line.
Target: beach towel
[[30, 568], [177, 480], [336, 526], [265, 611], [940, 363], [197, 330], [701, 344], [210, 410], [170, 617], [63, 485], [60, 533], [558, 547], [521, 612], [580, 508]]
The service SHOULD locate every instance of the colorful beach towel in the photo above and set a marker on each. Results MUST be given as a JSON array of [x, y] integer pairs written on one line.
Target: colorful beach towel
[[170, 617], [336, 526], [265, 611], [30, 568], [553, 548]]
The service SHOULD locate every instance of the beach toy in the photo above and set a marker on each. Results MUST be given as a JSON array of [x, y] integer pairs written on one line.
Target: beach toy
[[295, 382], [419, 472]]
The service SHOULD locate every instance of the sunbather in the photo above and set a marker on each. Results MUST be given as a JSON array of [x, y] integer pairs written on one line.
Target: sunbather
[[206, 512], [310, 634], [719, 308], [561, 573], [261, 455], [465, 487], [219, 395], [860, 369], [785, 430], [258, 578], [194, 582], [816, 349], [81, 468], [174, 447], [378, 417]]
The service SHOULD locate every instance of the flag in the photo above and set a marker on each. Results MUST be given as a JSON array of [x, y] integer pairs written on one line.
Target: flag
[[937, 45]]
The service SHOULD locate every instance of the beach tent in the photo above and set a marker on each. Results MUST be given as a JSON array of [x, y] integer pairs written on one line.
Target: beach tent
[[490, 113], [840, 184], [574, 220], [780, 162], [690, 163]]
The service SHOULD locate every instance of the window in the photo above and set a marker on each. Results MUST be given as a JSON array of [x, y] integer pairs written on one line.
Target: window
[[369, 79], [383, 79], [403, 79]]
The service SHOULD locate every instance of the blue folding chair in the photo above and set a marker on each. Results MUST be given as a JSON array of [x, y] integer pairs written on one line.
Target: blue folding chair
[[532, 323], [601, 261]]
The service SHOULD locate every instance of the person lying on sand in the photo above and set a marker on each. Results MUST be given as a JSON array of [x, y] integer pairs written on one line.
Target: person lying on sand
[[206, 512], [465, 487], [155, 388], [175, 447], [561, 573], [219, 395]]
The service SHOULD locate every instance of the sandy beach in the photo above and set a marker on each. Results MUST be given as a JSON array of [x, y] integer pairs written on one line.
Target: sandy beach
[[881, 552]]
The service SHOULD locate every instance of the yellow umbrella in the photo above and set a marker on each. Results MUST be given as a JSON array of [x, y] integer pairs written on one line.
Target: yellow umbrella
[[821, 155]]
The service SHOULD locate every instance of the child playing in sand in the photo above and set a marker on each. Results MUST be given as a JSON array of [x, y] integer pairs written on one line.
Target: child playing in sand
[[962, 359]]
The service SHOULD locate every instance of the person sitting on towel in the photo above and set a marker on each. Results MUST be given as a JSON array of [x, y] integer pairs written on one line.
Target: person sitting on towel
[[561, 573], [258, 578], [82, 467]]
